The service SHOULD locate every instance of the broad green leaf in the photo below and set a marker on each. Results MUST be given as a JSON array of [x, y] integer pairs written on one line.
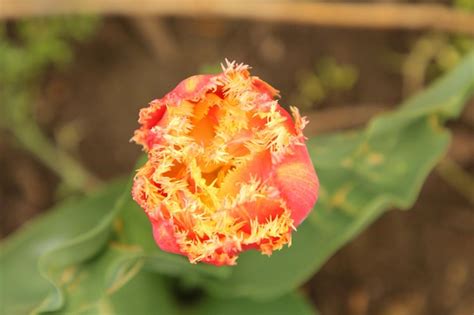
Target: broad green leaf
[[22, 286], [362, 173], [146, 293], [57, 261], [112, 280], [66, 261], [293, 304], [113, 283], [73, 233]]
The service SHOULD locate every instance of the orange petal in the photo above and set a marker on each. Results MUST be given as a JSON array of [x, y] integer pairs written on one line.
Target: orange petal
[[260, 210], [260, 167], [264, 87], [203, 130], [201, 109]]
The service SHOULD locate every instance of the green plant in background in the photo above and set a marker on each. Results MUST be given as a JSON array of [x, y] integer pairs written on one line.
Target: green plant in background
[[431, 56], [434, 54], [27, 49], [98, 255], [328, 77], [210, 68]]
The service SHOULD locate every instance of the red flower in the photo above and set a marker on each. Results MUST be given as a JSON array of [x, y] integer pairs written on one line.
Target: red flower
[[227, 168]]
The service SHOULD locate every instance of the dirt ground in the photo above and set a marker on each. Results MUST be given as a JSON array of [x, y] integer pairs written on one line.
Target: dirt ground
[[412, 262]]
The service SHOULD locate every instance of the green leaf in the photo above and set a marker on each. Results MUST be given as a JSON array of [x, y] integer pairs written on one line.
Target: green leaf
[[104, 279], [22, 285], [113, 283], [362, 174], [293, 304], [34, 260]]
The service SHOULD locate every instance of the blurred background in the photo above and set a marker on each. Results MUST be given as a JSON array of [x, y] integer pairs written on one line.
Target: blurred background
[[71, 87]]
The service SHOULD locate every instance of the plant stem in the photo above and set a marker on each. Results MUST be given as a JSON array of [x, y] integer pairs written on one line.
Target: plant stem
[[457, 178], [62, 163]]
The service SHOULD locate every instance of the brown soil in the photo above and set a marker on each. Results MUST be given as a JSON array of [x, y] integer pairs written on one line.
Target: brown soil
[[415, 262]]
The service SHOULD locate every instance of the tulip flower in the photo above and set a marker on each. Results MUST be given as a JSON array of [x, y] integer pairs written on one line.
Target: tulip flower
[[227, 168]]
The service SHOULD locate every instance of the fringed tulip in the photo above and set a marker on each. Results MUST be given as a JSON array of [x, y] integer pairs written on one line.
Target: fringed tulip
[[227, 168]]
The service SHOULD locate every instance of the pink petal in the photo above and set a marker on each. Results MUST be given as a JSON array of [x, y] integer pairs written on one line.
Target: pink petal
[[298, 183]]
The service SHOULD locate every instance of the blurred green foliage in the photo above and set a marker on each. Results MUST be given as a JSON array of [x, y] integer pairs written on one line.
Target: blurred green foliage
[[327, 77], [93, 262], [467, 5], [29, 46], [210, 68], [452, 51], [434, 54], [27, 49]]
